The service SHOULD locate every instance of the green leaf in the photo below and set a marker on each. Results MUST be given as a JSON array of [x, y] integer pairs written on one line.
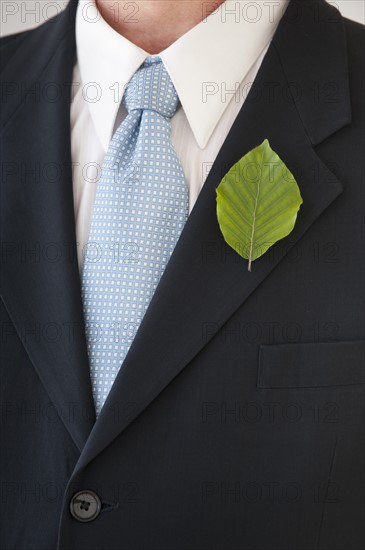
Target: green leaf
[[257, 203]]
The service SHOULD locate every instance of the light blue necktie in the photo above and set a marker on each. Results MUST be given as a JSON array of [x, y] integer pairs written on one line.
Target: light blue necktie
[[140, 209]]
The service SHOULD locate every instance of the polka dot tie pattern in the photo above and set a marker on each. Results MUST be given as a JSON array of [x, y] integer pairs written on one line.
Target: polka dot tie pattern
[[141, 207]]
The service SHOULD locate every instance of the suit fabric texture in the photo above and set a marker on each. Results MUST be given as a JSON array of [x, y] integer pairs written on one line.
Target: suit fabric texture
[[237, 420]]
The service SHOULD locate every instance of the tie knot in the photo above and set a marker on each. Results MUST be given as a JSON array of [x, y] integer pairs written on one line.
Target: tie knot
[[151, 88]]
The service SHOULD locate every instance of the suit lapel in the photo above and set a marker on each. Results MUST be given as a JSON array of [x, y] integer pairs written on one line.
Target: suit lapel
[[41, 287], [205, 282]]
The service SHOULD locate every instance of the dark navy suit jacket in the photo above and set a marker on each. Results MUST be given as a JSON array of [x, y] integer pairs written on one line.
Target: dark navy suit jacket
[[237, 420]]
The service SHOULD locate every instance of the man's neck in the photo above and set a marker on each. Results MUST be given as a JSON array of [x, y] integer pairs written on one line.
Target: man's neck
[[153, 25]]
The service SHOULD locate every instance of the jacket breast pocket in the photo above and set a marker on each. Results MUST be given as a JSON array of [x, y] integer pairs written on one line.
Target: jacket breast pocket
[[311, 365]]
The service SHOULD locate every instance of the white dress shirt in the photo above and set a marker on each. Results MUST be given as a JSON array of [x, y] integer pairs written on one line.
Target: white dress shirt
[[212, 67]]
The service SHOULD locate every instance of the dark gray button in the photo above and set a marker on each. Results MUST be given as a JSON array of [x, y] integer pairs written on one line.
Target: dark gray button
[[85, 506]]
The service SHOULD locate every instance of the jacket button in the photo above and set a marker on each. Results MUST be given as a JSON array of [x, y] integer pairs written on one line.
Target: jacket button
[[85, 506]]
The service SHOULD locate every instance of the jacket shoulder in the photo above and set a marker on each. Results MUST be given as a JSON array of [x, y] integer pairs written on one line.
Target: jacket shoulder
[[355, 34], [9, 45], [28, 43]]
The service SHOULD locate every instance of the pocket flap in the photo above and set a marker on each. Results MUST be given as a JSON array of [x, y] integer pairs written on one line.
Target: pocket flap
[[311, 365]]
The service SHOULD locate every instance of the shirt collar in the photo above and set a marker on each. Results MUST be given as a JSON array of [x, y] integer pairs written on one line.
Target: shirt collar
[[205, 70]]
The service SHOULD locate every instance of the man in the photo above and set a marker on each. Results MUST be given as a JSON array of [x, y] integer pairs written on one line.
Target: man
[[225, 411]]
